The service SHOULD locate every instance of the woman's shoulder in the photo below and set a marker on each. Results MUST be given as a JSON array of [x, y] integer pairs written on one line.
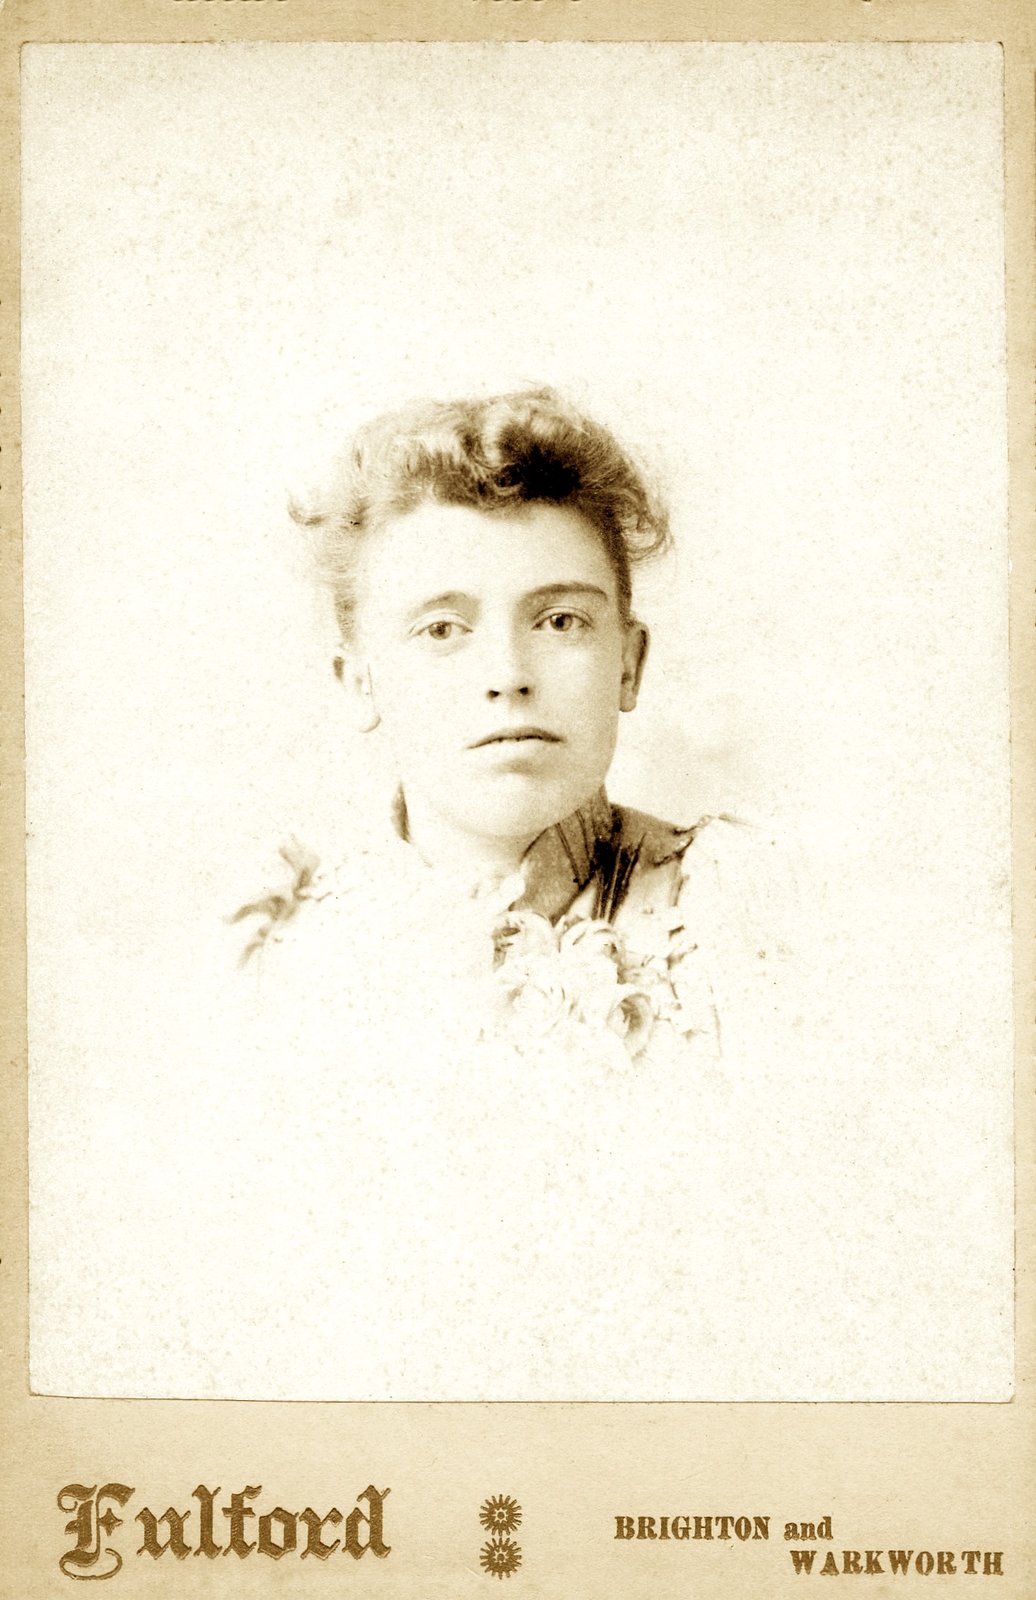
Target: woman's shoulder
[[735, 880], [663, 857], [660, 842], [728, 896], [321, 906], [296, 879]]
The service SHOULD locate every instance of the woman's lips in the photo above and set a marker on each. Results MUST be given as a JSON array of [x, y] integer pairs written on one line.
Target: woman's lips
[[515, 736]]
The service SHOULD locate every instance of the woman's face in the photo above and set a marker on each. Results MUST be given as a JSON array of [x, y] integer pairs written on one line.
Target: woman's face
[[494, 652]]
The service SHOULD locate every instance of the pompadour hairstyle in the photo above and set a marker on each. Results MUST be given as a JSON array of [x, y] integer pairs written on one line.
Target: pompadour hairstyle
[[493, 455]]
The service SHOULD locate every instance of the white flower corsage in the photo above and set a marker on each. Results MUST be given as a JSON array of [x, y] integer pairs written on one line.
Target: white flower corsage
[[583, 969]]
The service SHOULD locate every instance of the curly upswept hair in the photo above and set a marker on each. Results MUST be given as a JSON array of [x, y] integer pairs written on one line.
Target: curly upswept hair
[[493, 455]]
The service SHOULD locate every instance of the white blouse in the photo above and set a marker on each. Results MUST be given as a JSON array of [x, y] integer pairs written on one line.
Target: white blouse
[[502, 1127]]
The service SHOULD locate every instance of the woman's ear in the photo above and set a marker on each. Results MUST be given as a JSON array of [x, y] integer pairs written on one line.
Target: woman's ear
[[355, 678], [634, 654]]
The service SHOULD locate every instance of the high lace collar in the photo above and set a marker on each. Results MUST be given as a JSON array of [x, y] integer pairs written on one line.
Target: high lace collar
[[560, 862]]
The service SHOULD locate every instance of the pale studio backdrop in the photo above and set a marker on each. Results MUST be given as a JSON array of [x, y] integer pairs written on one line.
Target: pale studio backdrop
[[777, 271]]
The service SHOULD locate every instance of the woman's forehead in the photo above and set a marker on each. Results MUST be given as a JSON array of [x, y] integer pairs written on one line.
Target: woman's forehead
[[513, 553]]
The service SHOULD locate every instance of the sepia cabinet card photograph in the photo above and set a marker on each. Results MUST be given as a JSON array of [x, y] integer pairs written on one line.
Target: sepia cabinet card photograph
[[518, 798]]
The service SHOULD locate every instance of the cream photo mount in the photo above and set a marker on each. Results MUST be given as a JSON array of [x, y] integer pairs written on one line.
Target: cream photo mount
[[761, 1457]]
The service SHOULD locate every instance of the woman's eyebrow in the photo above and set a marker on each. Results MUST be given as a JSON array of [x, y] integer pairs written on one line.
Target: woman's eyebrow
[[558, 591], [449, 597]]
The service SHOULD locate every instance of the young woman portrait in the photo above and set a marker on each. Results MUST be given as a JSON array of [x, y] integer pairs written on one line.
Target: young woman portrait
[[534, 922], [480, 558], [514, 1015]]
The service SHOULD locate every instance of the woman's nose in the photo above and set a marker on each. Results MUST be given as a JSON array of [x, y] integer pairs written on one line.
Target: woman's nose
[[506, 672]]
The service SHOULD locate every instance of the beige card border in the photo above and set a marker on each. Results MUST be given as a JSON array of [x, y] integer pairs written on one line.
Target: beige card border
[[927, 1477]]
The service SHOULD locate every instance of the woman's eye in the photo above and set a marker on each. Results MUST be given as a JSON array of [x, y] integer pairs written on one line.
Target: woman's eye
[[563, 622], [441, 631]]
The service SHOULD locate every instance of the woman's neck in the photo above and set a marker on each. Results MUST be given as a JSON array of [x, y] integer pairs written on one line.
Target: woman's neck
[[470, 859]]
